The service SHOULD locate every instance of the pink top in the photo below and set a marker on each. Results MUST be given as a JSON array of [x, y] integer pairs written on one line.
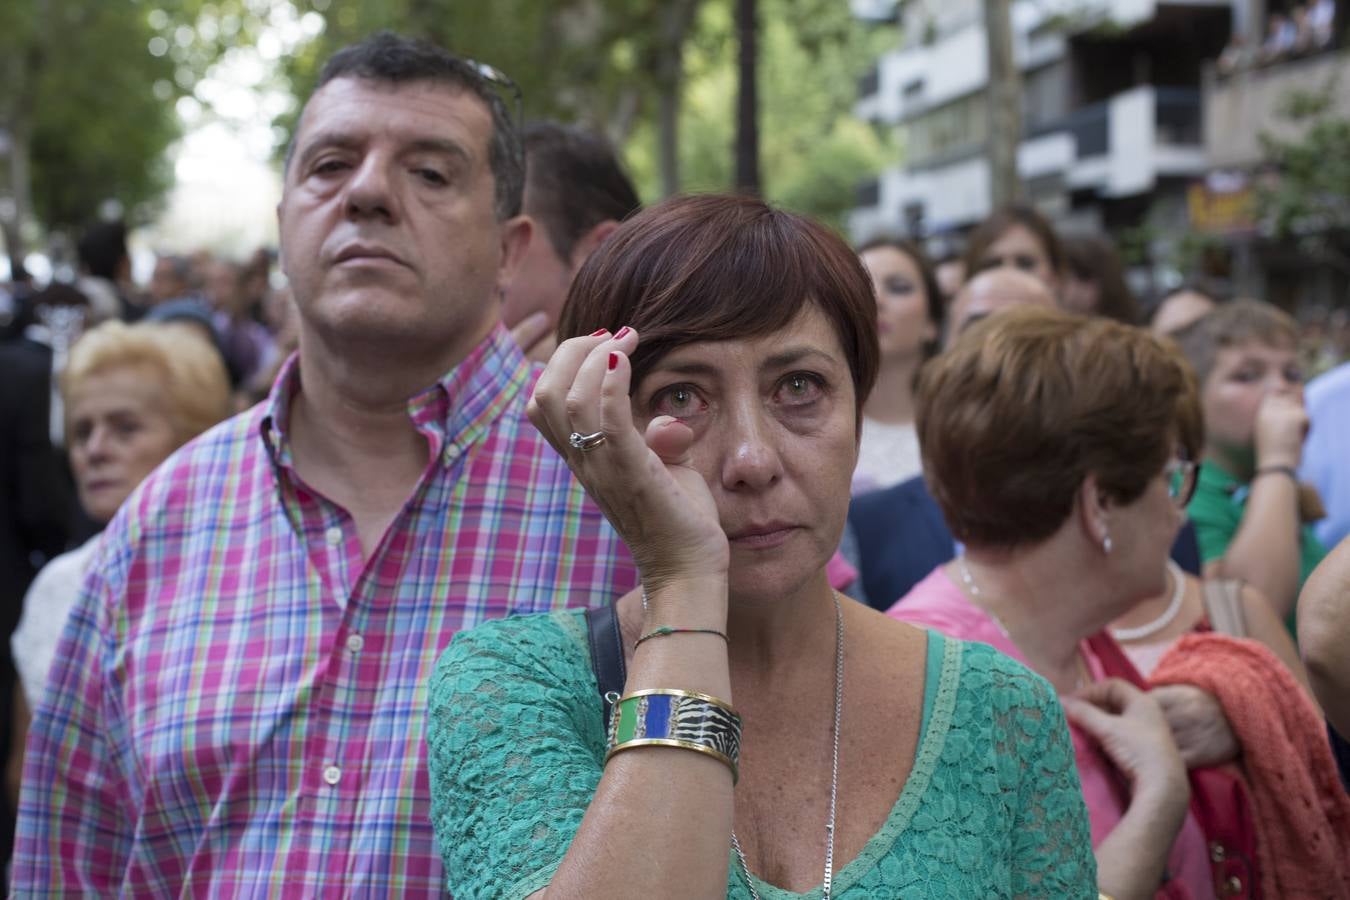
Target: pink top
[[938, 603]]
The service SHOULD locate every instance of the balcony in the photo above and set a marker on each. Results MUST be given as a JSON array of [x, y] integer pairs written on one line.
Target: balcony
[[1091, 129], [1176, 119], [1123, 145], [1247, 104]]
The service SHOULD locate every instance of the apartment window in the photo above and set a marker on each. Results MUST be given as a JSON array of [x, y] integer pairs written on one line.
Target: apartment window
[[948, 130], [1045, 96]]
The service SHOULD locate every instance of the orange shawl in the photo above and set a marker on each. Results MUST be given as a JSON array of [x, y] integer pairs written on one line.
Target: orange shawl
[[1301, 810]]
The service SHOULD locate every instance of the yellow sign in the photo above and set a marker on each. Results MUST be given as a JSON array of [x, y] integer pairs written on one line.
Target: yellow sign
[[1221, 212]]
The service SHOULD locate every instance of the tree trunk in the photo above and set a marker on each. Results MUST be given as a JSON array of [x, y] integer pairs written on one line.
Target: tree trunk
[[1004, 97], [675, 19], [747, 100], [21, 74], [20, 183]]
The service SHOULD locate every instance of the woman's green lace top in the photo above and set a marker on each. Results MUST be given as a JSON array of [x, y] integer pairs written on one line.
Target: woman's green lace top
[[992, 806]]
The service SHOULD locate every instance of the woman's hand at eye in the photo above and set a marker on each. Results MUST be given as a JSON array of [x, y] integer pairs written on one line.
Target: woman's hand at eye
[[643, 481]]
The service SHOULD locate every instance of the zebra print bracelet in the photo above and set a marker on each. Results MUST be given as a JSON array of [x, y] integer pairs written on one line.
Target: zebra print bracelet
[[671, 718]]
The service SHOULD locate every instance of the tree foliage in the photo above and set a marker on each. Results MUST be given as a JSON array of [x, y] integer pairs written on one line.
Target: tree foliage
[[89, 87], [813, 150], [1306, 199], [87, 100], [586, 61], [595, 63]]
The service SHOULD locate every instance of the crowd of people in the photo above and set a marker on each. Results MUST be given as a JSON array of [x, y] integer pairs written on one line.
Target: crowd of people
[[512, 540], [1291, 31]]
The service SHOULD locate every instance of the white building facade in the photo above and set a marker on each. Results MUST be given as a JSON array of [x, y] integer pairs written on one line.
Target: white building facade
[[1111, 110]]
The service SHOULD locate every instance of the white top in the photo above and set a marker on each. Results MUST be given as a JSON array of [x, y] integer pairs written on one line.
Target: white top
[[46, 607], [887, 455]]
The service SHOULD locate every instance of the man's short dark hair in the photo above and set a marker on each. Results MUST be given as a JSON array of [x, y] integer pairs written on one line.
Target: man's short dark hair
[[102, 248], [393, 59], [576, 183]]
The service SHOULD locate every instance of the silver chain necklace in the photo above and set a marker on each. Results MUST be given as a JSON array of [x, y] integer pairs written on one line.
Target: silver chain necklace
[[1084, 673], [834, 767]]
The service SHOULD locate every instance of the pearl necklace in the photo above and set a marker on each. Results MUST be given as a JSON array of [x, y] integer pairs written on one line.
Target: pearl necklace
[[834, 767], [1151, 628]]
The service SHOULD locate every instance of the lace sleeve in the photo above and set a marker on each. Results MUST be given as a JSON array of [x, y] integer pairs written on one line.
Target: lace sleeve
[[1052, 843], [515, 743]]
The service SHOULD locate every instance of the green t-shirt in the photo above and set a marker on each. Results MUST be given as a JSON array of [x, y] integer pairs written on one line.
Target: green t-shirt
[[992, 806], [1216, 510]]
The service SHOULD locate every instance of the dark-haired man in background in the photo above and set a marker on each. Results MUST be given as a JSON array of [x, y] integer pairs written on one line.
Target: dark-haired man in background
[[239, 699], [576, 194], [105, 272]]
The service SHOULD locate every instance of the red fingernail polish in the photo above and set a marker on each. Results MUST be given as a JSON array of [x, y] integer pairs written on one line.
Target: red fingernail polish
[[599, 332], [622, 331], [613, 361]]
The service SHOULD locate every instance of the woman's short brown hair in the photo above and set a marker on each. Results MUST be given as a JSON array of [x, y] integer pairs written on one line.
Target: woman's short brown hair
[[991, 229], [1094, 258], [1029, 402], [716, 267]]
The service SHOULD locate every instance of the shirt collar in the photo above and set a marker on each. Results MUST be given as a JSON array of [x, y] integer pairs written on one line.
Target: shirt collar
[[451, 413]]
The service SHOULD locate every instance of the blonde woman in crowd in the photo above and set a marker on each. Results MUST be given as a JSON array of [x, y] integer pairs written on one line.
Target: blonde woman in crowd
[[133, 394]]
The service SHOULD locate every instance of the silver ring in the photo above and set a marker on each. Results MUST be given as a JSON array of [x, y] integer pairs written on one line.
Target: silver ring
[[584, 442]]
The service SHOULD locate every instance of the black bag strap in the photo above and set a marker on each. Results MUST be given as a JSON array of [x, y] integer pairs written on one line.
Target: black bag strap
[[602, 634]]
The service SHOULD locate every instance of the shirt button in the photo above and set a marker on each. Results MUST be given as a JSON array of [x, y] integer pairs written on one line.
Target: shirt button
[[333, 536], [332, 774], [355, 642]]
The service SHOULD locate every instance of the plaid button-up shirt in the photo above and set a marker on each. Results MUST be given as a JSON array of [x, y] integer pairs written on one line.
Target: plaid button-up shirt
[[237, 707]]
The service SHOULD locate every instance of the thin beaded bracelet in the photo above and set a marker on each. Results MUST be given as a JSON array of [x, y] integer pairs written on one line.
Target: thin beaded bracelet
[[667, 630], [674, 718]]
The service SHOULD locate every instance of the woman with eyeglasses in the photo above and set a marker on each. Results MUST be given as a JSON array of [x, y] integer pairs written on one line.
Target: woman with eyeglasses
[[1057, 448], [1194, 605]]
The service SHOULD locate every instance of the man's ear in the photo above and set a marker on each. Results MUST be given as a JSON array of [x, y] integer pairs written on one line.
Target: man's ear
[[586, 245], [517, 232]]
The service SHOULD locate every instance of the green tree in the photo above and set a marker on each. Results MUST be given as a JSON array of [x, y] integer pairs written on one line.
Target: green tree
[[1306, 202], [87, 103], [659, 78], [813, 150], [592, 62]]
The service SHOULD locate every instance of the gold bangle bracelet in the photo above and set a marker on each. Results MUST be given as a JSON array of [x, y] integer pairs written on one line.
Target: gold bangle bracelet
[[683, 745], [688, 720]]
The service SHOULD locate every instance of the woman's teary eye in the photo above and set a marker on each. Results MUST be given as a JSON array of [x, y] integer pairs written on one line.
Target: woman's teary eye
[[678, 400], [800, 388]]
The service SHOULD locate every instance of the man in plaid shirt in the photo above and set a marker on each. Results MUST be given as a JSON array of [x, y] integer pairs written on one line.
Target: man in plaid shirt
[[238, 700]]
